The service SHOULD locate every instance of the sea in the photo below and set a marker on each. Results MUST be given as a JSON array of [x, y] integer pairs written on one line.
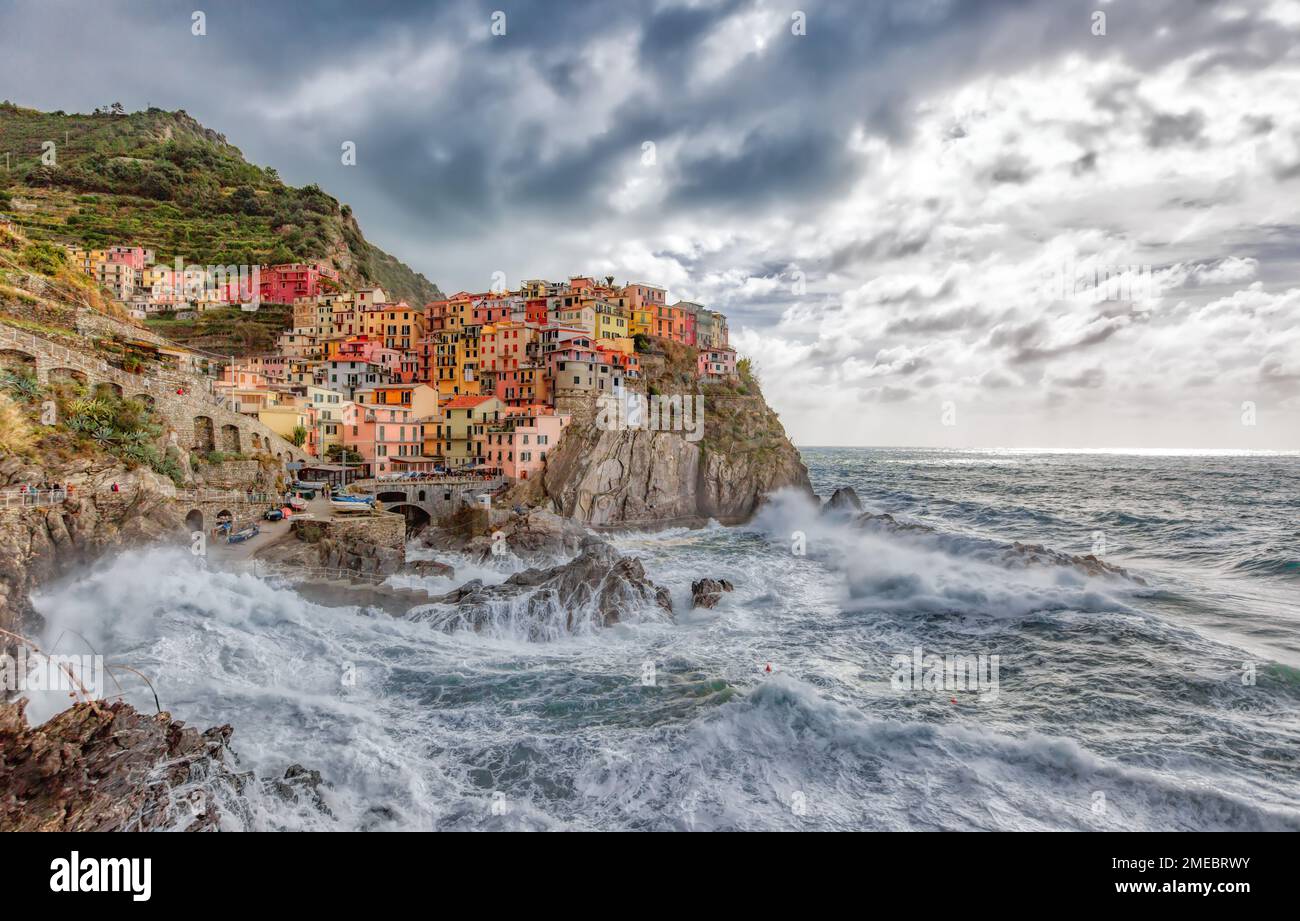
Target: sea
[[856, 678]]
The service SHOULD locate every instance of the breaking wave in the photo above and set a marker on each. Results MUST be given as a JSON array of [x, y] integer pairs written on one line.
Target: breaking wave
[[1119, 705]]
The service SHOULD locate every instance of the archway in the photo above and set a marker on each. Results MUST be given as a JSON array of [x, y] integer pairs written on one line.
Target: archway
[[204, 439], [417, 519], [145, 398], [194, 520], [230, 438], [107, 390], [16, 360], [67, 376], [392, 496]]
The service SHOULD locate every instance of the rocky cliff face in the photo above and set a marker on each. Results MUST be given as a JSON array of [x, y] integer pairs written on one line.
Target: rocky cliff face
[[40, 544], [639, 478], [108, 767]]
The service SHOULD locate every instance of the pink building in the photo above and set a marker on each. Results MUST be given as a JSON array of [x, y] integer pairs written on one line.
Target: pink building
[[519, 445], [717, 364], [135, 256], [388, 438], [282, 283]]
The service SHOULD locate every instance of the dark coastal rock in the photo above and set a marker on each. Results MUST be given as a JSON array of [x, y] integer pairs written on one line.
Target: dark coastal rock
[[533, 535], [1020, 555], [107, 767], [430, 568], [706, 593], [870, 521], [843, 500], [300, 785], [599, 583]]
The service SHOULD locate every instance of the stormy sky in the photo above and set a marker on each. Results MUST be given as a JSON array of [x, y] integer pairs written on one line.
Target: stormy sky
[[1041, 223]]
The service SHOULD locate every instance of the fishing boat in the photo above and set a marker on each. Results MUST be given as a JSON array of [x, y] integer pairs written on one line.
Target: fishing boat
[[340, 504], [297, 503], [240, 536], [344, 497]]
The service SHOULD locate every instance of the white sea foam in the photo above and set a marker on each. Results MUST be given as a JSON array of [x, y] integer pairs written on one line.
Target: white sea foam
[[659, 724]]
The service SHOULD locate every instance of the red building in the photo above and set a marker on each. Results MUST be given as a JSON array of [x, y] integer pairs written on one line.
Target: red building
[[282, 283]]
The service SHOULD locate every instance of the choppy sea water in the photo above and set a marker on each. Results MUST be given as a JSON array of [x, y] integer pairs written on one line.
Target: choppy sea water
[[1170, 705]]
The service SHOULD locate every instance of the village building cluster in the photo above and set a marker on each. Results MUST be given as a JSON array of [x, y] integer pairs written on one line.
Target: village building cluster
[[474, 382]]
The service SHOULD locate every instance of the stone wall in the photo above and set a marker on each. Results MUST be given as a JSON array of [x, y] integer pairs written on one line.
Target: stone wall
[[181, 401]]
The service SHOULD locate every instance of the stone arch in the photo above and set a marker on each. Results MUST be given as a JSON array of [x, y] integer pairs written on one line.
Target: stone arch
[[145, 398], [17, 360], [204, 434], [392, 496], [194, 520], [225, 516], [230, 438], [68, 376], [107, 390], [422, 499], [417, 519]]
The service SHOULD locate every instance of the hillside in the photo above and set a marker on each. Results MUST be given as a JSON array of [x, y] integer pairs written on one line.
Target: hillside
[[161, 180]]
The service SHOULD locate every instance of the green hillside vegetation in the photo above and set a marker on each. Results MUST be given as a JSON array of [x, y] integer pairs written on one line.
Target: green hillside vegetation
[[227, 330], [161, 180]]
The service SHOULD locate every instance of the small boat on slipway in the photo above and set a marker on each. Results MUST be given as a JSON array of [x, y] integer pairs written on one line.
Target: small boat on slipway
[[352, 503]]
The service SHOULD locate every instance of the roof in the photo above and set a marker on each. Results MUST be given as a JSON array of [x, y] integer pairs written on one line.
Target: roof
[[465, 402]]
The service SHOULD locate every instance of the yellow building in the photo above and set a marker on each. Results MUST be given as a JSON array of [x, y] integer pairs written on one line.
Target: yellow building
[[284, 418], [612, 321], [399, 326], [457, 437]]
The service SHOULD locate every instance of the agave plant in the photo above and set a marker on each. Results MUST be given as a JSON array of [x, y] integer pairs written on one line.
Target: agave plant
[[106, 435], [22, 385], [95, 409]]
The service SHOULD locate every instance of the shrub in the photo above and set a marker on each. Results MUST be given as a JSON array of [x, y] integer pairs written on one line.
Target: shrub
[[46, 258], [16, 436]]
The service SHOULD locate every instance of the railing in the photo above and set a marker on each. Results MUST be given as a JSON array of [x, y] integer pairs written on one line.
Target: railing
[[36, 498]]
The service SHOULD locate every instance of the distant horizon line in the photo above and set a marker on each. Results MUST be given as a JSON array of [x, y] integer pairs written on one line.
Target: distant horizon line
[[1172, 452]]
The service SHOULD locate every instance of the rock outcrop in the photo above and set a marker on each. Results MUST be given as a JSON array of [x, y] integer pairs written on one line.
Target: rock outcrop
[[843, 501], [108, 767], [606, 477], [597, 587], [534, 535], [706, 593], [38, 544]]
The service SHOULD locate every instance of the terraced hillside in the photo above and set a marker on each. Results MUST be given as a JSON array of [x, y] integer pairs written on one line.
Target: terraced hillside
[[161, 180]]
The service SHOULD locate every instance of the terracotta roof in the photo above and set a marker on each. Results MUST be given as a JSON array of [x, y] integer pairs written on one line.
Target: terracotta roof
[[465, 402]]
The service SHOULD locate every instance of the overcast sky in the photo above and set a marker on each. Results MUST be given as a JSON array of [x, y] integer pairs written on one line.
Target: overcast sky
[[890, 207]]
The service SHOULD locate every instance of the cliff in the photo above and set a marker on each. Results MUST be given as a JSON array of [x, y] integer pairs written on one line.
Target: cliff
[[40, 544], [607, 476], [108, 767]]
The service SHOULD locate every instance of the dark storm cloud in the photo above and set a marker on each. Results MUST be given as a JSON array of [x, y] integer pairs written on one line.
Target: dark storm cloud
[[511, 130]]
